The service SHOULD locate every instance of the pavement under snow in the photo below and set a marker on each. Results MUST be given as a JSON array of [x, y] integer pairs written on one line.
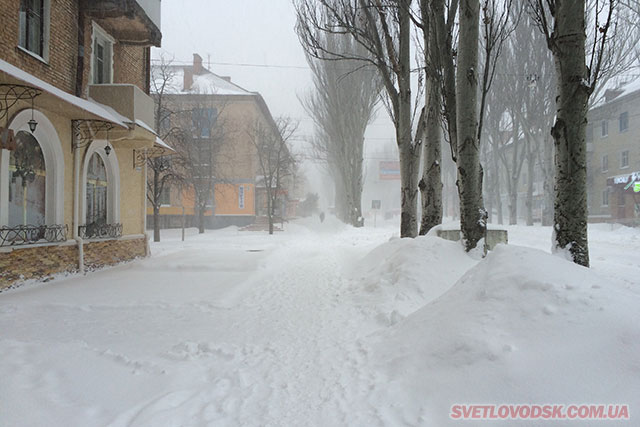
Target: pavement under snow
[[323, 325]]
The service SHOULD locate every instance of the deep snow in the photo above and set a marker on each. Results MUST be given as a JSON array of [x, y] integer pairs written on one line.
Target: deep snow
[[323, 325]]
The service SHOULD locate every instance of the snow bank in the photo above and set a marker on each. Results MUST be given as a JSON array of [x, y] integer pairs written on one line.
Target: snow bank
[[520, 327], [402, 275]]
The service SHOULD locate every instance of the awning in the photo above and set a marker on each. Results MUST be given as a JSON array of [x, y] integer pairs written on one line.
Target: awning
[[59, 101]]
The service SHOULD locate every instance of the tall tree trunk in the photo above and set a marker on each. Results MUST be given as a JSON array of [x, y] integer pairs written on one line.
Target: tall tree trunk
[[530, 175], [497, 191], [270, 212], [201, 210], [549, 196], [569, 131], [472, 215], [513, 203], [409, 159], [409, 164], [431, 182]]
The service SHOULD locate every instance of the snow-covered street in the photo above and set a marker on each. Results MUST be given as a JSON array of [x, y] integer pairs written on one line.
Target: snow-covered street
[[322, 325]]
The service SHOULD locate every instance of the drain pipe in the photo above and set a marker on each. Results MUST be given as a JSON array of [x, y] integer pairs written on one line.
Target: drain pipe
[[76, 202]]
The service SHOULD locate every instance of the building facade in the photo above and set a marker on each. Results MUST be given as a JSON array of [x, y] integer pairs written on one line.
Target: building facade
[[76, 126], [221, 119], [613, 140]]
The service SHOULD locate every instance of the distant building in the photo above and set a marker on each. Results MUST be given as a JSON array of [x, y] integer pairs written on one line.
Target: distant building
[[76, 123], [613, 141], [210, 101]]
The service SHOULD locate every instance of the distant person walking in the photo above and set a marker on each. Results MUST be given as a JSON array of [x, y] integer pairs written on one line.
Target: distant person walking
[[321, 217]]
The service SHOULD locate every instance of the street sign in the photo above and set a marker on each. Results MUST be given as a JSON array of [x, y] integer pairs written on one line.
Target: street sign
[[375, 204], [636, 187]]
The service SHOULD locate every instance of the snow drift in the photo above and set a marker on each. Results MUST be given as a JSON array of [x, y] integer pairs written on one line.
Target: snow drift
[[402, 275], [522, 326]]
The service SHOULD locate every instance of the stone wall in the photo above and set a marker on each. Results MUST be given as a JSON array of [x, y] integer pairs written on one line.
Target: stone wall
[[37, 262], [41, 262], [110, 252]]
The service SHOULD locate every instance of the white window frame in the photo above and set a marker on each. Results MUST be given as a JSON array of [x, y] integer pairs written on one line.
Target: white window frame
[[167, 188], [604, 128], [113, 181], [622, 165], [46, 19], [47, 137], [605, 197], [626, 129], [241, 196], [101, 35], [602, 163]]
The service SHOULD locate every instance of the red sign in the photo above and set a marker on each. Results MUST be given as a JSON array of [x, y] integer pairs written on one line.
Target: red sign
[[390, 170]]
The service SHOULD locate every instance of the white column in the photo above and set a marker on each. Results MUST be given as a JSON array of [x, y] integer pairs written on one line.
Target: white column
[[4, 187]]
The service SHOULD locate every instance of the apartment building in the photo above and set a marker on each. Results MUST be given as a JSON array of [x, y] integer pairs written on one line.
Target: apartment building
[[613, 140]]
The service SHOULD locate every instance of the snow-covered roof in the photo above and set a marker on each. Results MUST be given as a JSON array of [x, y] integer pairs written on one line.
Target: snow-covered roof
[[86, 105], [616, 91], [207, 83]]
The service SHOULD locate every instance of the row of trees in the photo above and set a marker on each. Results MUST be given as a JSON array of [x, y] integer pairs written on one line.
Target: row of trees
[[443, 79]]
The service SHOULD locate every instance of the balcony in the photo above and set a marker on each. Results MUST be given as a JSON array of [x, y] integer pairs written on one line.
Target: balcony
[[131, 102], [136, 22]]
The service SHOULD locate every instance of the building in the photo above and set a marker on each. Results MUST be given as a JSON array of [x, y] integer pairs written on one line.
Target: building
[[613, 141], [75, 119], [221, 120]]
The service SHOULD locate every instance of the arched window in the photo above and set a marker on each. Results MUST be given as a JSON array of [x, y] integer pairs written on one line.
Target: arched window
[[27, 185], [97, 186]]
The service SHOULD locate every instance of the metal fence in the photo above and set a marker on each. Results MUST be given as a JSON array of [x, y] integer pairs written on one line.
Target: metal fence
[[31, 234], [100, 231]]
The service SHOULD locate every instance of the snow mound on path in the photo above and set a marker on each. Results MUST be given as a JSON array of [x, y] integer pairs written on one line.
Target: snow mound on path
[[400, 276], [521, 327]]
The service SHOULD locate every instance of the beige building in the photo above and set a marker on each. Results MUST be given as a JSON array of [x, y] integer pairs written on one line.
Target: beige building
[[222, 119], [76, 122], [613, 140]]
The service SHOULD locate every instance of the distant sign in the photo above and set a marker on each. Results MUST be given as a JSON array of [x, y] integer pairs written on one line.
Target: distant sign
[[636, 187], [389, 170], [375, 204]]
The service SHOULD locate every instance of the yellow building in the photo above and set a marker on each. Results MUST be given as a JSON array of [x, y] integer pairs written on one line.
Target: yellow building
[[75, 134], [230, 114]]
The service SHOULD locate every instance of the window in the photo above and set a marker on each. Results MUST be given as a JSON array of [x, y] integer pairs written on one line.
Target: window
[[203, 121], [102, 56], [96, 191], [27, 188], [241, 197], [605, 128], [34, 26], [624, 122], [165, 195], [605, 197], [624, 159], [605, 163]]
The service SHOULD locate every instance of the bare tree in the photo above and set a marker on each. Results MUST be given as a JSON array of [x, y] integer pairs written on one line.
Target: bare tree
[[199, 142], [341, 106], [563, 24], [383, 29], [275, 161], [162, 170]]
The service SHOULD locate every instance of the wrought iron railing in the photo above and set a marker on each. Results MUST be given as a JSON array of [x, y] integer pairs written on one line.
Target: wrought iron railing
[[100, 231], [31, 234]]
